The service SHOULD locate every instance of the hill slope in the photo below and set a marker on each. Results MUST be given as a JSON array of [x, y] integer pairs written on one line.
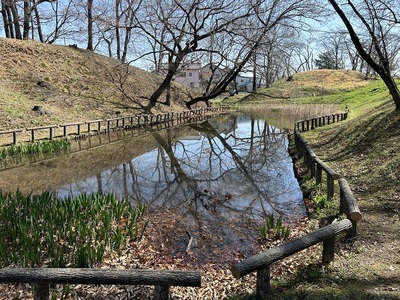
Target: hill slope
[[70, 84]]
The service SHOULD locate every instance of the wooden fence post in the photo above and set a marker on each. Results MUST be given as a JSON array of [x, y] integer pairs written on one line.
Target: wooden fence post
[[161, 292], [41, 291], [264, 283], [318, 174], [348, 205], [328, 250], [330, 186]]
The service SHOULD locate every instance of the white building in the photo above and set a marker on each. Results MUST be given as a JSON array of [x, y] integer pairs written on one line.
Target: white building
[[190, 76]]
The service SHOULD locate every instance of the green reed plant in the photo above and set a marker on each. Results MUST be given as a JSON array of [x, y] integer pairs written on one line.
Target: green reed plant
[[322, 205], [273, 228], [53, 146], [75, 232]]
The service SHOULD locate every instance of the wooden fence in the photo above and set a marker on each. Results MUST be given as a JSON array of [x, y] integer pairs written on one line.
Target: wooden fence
[[163, 279], [315, 165], [42, 278], [102, 126], [261, 262]]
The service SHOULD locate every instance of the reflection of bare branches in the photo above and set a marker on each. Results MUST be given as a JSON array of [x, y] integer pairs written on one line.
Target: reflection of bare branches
[[206, 127]]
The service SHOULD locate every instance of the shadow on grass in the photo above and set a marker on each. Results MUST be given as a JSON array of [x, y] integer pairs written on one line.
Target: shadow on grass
[[313, 283]]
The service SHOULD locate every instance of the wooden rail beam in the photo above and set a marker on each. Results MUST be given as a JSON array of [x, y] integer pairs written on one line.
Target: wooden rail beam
[[261, 262], [14, 134], [77, 124], [349, 206], [269, 256], [33, 129], [43, 277]]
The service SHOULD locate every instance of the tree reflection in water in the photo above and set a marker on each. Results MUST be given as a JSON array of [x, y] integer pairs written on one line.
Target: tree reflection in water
[[218, 181]]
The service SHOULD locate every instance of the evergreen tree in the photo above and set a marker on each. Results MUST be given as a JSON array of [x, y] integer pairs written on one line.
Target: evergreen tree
[[326, 60]]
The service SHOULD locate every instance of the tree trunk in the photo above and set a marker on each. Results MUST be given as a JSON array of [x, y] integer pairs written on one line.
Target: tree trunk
[[117, 33], [90, 25], [393, 89], [27, 18], [6, 22], [38, 24], [172, 69], [381, 68], [15, 20]]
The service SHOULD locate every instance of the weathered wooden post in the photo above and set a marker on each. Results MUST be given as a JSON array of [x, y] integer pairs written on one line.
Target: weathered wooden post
[[318, 173], [263, 285], [161, 292], [328, 250], [330, 177], [41, 291], [330, 186], [349, 206], [262, 261]]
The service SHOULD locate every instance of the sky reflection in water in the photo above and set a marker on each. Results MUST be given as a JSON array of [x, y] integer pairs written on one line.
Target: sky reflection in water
[[213, 180], [233, 166]]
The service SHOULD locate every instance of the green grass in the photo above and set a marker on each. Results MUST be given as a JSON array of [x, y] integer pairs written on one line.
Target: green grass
[[34, 148], [359, 95], [273, 228], [43, 230]]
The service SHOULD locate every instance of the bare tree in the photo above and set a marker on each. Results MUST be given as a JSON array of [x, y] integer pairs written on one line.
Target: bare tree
[[377, 21], [268, 15], [90, 24], [114, 28], [187, 25], [11, 19]]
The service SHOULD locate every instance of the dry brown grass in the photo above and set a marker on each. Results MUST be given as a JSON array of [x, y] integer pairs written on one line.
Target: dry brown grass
[[285, 115], [70, 84], [318, 83]]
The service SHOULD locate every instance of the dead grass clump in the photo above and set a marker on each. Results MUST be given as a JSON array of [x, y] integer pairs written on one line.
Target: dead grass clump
[[291, 111]]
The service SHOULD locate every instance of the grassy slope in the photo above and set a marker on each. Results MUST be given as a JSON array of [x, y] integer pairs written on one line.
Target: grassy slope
[[82, 85], [365, 150], [76, 85]]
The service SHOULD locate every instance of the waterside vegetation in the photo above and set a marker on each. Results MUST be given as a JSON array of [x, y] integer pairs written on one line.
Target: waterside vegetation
[[45, 231], [364, 149], [43, 147]]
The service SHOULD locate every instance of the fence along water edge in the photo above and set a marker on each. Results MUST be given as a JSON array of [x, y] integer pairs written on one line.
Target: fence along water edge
[[93, 127], [163, 279], [261, 262]]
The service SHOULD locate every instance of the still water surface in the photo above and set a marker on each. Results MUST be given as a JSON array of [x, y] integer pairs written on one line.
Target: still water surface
[[233, 165], [217, 175]]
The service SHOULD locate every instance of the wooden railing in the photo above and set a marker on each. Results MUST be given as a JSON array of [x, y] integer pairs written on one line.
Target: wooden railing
[[313, 163], [112, 124], [42, 278], [261, 262], [348, 205], [34, 129], [309, 124], [163, 279], [13, 132]]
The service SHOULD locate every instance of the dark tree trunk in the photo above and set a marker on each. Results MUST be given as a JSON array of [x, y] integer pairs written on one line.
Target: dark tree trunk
[[172, 69], [38, 24], [27, 19], [4, 8], [90, 25], [15, 20], [117, 32], [221, 87], [382, 68]]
